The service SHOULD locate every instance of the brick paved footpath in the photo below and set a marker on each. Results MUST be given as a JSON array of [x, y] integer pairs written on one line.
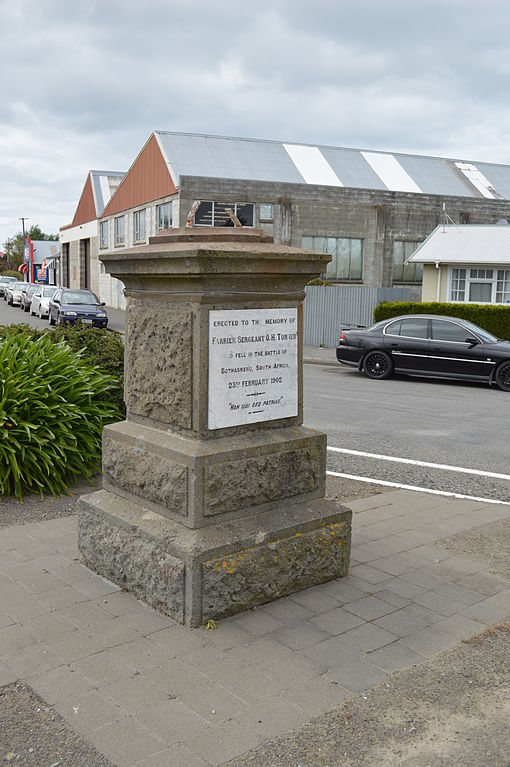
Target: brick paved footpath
[[148, 692]]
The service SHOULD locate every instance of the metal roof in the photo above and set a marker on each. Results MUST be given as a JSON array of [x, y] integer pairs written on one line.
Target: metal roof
[[104, 184], [466, 244], [260, 160]]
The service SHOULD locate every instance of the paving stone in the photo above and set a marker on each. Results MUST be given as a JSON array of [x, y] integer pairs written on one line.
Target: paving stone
[[490, 610], [297, 637], [322, 693], [31, 660], [358, 675], [277, 716], [398, 564], [6, 620], [172, 721], [220, 744], [394, 656], [424, 579], [408, 620], [228, 634], [483, 583], [369, 573], [7, 675], [257, 622], [403, 588], [179, 639], [174, 756], [287, 611], [438, 603], [316, 599], [53, 625], [393, 599], [462, 595], [145, 623], [14, 637], [212, 702], [104, 667], [71, 647], [142, 655], [433, 553], [135, 693], [332, 653], [345, 590], [460, 626], [429, 640], [122, 602], [369, 637], [251, 683], [63, 683], [125, 741], [89, 711], [336, 621], [369, 608]]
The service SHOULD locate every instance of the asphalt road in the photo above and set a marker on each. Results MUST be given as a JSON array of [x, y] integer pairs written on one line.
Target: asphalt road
[[13, 315], [458, 424]]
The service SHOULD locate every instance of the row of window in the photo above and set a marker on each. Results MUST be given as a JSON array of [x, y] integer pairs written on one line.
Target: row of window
[[481, 286], [163, 221]]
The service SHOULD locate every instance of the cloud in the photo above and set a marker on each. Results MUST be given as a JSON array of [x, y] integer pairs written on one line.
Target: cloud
[[83, 85]]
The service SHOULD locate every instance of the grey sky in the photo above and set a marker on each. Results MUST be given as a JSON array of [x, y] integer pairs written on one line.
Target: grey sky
[[84, 84]]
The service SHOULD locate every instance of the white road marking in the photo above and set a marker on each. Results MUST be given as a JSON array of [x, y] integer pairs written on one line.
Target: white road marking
[[442, 466], [417, 489]]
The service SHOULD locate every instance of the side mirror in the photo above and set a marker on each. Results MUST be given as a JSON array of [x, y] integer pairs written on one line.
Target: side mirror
[[103, 303], [56, 301], [472, 341]]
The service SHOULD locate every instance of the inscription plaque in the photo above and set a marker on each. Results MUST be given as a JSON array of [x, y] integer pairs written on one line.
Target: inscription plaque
[[252, 366]]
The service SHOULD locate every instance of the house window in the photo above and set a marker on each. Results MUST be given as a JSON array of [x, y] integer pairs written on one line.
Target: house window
[[402, 270], [164, 216], [215, 213], [103, 234], [346, 255], [139, 225], [266, 211], [118, 230], [503, 286], [480, 286]]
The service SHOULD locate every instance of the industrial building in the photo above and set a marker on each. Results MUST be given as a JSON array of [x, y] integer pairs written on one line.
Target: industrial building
[[370, 210]]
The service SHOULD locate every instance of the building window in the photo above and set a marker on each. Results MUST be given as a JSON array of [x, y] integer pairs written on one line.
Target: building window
[[346, 256], [163, 216], [103, 234], [118, 230], [139, 225], [503, 287], [480, 286], [266, 211], [402, 270], [215, 213]]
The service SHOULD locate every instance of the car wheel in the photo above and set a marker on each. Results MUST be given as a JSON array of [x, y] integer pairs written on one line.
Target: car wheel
[[377, 365], [503, 376], [50, 319], [40, 313]]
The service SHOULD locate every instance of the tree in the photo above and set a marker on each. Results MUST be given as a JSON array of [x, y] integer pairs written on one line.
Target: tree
[[13, 246]]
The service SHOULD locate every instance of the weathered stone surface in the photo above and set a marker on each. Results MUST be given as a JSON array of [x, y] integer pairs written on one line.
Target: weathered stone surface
[[146, 474], [159, 350], [277, 567], [139, 563], [256, 480]]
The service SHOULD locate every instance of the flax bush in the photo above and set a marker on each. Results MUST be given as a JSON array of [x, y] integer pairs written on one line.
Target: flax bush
[[51, 414]]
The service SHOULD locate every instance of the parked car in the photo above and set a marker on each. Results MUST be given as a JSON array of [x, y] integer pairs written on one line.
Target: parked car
[[4, 282], [13, 293], [26, 295], [41, 300], [427, 345], [69, 306]]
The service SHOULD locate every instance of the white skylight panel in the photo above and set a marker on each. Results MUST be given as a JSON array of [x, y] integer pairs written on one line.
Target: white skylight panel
[[477, 178], [105, 190], [312, 165], [391, 172]]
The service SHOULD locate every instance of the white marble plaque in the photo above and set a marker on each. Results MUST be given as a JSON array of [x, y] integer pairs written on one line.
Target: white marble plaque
[[253, 372]]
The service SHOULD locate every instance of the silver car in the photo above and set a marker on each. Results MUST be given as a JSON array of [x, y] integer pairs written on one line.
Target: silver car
[[41, 299], [4, 282], [13, 293]]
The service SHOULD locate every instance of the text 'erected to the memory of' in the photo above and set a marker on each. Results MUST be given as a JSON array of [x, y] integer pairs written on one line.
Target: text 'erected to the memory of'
[[252, 366]]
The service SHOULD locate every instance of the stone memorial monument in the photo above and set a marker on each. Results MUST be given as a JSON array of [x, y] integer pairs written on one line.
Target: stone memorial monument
[[213, 490]]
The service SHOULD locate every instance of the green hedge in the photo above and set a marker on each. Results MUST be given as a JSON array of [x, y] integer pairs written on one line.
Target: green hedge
[[12, 273], [99, 347], [495, 319], [53, 406]]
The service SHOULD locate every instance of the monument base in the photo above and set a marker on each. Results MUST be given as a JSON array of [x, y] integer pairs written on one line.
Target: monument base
[[195, 575]]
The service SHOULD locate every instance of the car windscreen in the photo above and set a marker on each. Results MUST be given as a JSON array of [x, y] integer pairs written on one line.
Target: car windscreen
[[87, 299], [16, 285], [481, 333], [48, 292]]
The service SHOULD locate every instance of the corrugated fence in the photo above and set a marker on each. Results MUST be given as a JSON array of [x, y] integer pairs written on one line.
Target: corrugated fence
[[327, 307]]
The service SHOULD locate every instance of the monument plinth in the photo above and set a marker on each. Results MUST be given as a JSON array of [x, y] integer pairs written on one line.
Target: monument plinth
[[213, 491]]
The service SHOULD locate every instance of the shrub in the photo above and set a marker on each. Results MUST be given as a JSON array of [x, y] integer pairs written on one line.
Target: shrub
[[99, 347], [51, 418], [495, 319], [11, 273]]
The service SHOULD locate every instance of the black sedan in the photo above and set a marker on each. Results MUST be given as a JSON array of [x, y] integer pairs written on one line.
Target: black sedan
[[70, 305], [427, 345]]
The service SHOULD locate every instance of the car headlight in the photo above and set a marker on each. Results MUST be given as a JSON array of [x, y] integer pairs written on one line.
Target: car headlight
[[69, 314], [102, 315]]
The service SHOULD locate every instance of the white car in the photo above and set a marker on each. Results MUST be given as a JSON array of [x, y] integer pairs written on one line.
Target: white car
[[13, 293], [41, 299]]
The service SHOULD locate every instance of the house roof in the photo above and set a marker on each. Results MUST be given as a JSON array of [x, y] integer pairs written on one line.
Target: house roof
[[467, 244], [259, 160], [99, 186]]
